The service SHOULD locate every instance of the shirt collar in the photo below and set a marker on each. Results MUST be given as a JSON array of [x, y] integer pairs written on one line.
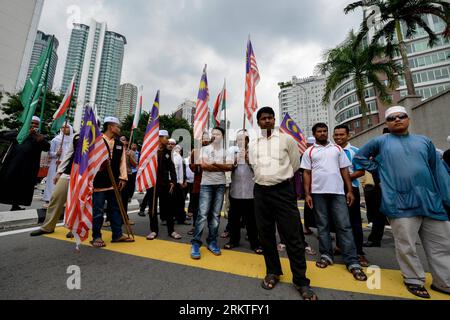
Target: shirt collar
[[275, 133], [348, 146], [321, 146]]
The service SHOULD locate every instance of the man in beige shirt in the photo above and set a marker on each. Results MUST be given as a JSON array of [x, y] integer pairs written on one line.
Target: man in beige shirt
[[103, 189], [275, 158]]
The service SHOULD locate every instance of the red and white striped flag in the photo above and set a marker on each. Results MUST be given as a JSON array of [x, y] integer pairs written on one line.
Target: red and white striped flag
[[138, 112], [90, 154], [221, 104], [66, 101], [202, 109], [251, 81], [148, 164]]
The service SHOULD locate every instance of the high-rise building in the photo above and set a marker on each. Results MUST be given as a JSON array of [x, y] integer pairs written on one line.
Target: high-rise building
[[96, 55], [19, 21], [128, 95], [40, 45], [302, 99], [186, 111], [430, 68]]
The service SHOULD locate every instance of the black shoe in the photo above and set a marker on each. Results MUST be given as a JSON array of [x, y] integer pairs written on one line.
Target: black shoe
[[141, 213], [39, 232], [370, 244]]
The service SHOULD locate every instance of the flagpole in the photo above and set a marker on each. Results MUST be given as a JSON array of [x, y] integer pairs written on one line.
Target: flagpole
[[49, 59], [226, 124], [126, 221]]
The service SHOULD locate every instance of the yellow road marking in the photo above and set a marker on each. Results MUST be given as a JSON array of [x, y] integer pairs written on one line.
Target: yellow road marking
[[252, 266]]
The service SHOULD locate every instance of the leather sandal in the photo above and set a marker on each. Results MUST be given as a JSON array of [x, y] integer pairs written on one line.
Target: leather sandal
[[270, 281]]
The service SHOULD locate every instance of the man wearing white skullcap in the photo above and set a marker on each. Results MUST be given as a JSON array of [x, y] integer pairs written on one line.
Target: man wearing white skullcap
[[103, 188], [20, 169], [415, 188]]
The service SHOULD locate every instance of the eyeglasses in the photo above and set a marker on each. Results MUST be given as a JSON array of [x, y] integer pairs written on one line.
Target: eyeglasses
[[400, 117]]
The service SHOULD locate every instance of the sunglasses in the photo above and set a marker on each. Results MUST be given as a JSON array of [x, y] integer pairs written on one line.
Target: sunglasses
[[400, 117]]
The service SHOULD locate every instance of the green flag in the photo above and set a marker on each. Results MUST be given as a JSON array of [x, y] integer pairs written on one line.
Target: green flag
[[32, 91]]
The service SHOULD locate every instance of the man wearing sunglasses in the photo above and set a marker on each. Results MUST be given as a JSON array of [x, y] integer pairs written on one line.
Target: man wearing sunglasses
[[414, 191]]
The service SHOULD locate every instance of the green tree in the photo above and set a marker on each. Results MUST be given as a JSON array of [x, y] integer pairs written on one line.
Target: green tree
[[12, 109], [407, 13], [169, 123], [362, 63]]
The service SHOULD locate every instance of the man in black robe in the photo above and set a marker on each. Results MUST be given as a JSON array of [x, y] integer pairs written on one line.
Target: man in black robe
[[20, 167]]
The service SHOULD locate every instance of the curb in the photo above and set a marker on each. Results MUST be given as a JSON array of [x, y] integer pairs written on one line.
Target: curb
[[26, 218]]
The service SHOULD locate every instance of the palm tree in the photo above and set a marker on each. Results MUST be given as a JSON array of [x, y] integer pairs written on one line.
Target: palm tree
[[364, 64], [410, 13]]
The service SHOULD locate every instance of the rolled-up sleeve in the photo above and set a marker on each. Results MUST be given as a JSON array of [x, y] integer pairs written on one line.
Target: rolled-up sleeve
[[362, 158]]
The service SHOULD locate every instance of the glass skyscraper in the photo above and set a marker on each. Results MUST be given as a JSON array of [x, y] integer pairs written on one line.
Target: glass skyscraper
[[96, 56], [40, 45]]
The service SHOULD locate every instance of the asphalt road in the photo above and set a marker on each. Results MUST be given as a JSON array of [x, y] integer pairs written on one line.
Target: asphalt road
[[36, 268]]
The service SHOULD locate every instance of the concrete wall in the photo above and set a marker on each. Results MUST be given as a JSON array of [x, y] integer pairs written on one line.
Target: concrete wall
[[430, 118]]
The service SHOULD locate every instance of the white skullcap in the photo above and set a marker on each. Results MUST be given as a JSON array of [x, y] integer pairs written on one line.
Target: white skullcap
[[163, 133], [396, 109], [311, 140], [112, 120], [36, 119], [172, 141]]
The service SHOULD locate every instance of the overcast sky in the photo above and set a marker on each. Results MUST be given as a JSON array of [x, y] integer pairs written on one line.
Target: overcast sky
[[170, 41]]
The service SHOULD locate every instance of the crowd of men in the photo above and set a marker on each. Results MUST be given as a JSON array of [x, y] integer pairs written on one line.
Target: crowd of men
[[405, 183]]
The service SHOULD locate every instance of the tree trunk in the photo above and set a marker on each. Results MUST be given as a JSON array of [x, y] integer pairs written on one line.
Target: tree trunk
[[407, 70], [362, 101]]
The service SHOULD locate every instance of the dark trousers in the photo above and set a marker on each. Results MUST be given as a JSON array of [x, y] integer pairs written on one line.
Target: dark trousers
[[194, 204], [277, 206], [356, 222], [379, 220], [243, 208], [98, 202], [179, 203], [165, 207]]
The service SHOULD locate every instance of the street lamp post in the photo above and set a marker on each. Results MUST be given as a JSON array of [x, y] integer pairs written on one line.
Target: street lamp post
[[307, 103]]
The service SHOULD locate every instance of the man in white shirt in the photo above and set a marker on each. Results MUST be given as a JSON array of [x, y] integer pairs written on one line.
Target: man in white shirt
[[326, 168], [214, 164], [275, 158]]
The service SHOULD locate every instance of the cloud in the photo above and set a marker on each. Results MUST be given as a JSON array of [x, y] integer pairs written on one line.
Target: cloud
[[170, 41]]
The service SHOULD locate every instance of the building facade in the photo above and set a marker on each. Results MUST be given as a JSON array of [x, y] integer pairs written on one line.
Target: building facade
[[431, 75], [19, 21], [186, 111], [96, 56], [128, 96], [302, 99], [40, 45]]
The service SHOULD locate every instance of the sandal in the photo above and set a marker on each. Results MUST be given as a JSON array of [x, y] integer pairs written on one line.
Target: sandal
[[259, 251], [176, 236], [363, 261], [323, 263], [307, 293], [310, 251], [152, 236], [123, 239], [98, 243], [229, 246], [358, 274], [270, 281], [418, 291]]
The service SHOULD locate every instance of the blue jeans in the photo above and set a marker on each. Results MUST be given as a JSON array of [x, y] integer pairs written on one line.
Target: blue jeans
[[210, 208], [98, 202], [335, 206]]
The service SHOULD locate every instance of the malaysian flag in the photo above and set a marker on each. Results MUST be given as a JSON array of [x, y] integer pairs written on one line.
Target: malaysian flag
[[90, 154], [289, 127], [251, 81], [148, 165], [202, 110]]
